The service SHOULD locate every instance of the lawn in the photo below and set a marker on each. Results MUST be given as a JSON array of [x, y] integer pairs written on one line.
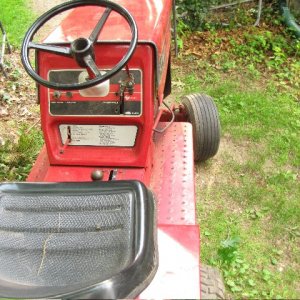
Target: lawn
[[16, 18], [248, 195]]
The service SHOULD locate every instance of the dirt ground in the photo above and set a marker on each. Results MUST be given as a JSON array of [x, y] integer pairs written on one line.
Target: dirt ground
[[17, 99], [41, 6]]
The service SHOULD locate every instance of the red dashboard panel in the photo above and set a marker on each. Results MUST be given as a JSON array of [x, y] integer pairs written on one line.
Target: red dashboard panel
[[62, 108]]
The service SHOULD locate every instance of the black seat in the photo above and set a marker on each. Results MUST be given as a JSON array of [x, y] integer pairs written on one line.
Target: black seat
[[76, 240]]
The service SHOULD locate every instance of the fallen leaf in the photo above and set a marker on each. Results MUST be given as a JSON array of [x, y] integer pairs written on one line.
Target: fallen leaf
[[3, 112]]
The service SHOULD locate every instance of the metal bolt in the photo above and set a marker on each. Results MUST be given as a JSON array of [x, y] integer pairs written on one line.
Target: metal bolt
[[97, 175]]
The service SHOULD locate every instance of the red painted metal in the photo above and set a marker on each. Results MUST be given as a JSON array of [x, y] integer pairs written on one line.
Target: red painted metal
[[83, 174], [153, 22], [172, 178], [150, 14], [40, 168], [152, 18], [171, 150], [107, 56], [163, 161]]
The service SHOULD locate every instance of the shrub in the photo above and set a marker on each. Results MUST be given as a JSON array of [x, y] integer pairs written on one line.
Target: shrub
[[193, 12]]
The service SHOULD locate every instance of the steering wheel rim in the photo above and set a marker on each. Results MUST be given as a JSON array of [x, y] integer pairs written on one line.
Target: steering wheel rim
[[89, 43]]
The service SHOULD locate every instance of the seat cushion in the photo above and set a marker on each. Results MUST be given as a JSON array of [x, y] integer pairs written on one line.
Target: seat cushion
[[76, 239]]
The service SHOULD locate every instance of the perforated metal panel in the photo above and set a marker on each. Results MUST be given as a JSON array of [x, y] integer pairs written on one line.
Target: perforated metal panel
[[173, 175]]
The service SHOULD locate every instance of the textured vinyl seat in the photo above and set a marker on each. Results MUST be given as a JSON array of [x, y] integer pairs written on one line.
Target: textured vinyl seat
[[76, 240]]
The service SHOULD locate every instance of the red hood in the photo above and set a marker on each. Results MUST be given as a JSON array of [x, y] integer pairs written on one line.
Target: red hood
[[151, 17]]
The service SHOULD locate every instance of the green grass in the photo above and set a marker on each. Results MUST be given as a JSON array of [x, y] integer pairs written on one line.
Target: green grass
[[248, 205], [16, 159], [16, 19]]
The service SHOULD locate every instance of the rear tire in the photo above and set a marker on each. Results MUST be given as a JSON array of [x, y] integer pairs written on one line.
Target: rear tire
[[212, 286], [203, 114]]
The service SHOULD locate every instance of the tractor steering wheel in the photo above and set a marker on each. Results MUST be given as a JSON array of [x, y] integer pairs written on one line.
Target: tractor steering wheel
[[82, 49]]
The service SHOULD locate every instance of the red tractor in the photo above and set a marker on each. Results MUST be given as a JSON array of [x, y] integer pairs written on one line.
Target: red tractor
[[108, 209]]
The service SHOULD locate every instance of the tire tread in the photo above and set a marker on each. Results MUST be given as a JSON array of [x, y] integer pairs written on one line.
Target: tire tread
[[212, 286], [202, 113]]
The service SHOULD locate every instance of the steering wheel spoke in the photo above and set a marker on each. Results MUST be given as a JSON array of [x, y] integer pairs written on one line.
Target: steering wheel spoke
[[97, 30], [91, 65], [65, 51]]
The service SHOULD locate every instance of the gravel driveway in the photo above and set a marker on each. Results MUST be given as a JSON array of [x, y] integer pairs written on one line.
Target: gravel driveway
[[41, 6]]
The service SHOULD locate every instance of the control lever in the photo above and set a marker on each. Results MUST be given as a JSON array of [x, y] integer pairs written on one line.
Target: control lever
[[68, 140], [125, 85]]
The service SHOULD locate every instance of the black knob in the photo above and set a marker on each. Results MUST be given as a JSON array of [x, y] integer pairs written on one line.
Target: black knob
[[69, 94], [56, 94]]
